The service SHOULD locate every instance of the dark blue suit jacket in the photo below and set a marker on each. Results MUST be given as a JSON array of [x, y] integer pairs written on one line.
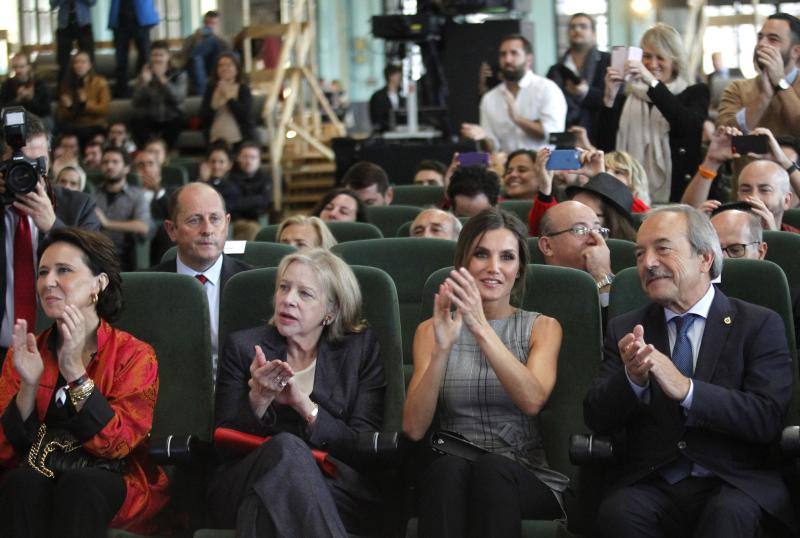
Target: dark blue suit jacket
[[742, 388], [349, 387]]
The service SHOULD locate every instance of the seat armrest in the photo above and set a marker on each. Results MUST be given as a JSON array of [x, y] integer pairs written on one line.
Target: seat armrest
[[790, 441], [386, 447], [591, 449], [179, 449]]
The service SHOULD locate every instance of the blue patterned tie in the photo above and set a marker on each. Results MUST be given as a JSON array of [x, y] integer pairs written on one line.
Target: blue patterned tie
[[682, 351], [682, 357]]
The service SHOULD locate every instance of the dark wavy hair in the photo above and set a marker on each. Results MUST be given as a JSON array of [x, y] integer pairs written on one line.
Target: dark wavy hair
[[361, 211], [494, 219], [100, 256], [240, 76]]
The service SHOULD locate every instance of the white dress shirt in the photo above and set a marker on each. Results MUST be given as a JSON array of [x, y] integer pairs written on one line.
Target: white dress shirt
[[212, 287], [538, 99]]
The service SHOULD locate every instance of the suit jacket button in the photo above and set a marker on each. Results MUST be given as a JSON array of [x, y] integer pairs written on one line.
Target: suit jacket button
[[681, 445]]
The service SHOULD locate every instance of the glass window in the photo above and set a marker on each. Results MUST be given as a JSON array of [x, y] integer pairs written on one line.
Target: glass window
[[598, 9], [735, 42]]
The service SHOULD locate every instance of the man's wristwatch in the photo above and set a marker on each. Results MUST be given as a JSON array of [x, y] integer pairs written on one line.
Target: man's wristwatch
[[791, 169], [605, 281], [782, 84]]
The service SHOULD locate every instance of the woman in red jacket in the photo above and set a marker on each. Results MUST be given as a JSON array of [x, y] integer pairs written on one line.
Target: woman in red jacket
[[81, 381]]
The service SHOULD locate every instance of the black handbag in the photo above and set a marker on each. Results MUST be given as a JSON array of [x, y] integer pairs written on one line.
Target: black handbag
[[450, 443], [57, 451]]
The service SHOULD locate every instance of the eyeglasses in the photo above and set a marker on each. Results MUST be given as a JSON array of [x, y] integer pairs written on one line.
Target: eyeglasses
[[737, 250], [579, 26], [580, 231]]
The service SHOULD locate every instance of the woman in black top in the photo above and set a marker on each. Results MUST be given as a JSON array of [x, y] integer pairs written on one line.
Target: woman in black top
[[227, 109], [658, 118]]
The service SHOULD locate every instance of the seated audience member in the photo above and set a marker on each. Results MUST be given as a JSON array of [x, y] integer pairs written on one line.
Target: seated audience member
[[158, 147], [625, 168], [267, 377], [158, 98], [24, 88], [658, 119], [305, 232], [434, 222], [387, 100], [47, 208], [764, 183], [71, 178], [571, 235], [698, 384], [370, 182], [430, 172], [119, 137], [253, 182], [507, 355], [83, 99], [472, 189], [83, 382], [340, 205], [741, 235], [67, 145], [92, 156], [200, 51], [123, 209], [157, 197], [611, 200], [772, 98], [519, 179], [227, 109], [198, 225], [214, 172], [59, 163]]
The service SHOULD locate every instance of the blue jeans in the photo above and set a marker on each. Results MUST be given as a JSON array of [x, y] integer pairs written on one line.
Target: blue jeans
[[201, 61]]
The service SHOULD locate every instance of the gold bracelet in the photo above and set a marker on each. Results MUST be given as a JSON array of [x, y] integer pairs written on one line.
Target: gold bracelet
[[79, 394]]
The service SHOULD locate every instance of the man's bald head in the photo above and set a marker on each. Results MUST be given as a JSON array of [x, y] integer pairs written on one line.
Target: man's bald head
[[769, 182], [436, 223], [566, 248], [735, 227]]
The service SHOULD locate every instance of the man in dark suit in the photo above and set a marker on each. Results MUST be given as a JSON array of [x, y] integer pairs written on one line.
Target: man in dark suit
[[581, 74], [198, 224], [387, 99], [44, 209], [699, 384]]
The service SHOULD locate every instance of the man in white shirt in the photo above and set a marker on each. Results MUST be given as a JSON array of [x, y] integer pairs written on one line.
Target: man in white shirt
[[198, 224], [523, 110]]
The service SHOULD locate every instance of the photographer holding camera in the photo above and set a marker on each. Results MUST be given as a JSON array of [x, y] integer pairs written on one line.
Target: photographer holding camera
[[31, 209]]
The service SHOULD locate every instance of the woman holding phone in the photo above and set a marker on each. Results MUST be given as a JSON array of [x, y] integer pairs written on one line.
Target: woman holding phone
[[658, 118]]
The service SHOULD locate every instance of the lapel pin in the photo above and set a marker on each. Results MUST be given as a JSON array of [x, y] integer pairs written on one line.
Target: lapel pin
[[727, 320]]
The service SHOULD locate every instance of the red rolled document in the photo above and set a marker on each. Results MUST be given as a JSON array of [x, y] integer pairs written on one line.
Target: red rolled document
[[244, 443]]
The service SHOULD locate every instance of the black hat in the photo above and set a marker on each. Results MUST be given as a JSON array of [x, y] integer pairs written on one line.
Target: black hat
[[612, 191]]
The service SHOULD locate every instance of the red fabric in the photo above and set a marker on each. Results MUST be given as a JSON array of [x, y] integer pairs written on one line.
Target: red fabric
[[24, 279], [537, 212], [639, 206], [244, 443], [125, 371], [202, 278], [789, 228]]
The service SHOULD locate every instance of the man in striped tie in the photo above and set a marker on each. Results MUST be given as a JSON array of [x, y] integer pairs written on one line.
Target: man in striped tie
[[699, 384]]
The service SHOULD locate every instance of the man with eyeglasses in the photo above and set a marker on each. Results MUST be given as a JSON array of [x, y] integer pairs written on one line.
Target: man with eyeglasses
[[580, 73], [571, 236], [741, 236]]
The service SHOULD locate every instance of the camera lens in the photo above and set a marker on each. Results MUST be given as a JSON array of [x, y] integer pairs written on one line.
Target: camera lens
[[21, 178]]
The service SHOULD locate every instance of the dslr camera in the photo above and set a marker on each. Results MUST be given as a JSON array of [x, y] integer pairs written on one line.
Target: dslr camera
[[20, 172]]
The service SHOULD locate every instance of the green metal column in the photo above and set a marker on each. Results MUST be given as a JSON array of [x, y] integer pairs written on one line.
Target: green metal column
[[366, 58], [542, 14]]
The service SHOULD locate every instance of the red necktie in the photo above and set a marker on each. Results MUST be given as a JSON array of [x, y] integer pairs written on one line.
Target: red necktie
[[202, 278], [24, 279]]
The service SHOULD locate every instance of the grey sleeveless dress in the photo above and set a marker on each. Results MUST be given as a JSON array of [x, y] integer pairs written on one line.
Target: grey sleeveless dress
[[473, 402]]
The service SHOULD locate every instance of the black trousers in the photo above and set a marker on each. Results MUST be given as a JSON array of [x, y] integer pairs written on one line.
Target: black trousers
[[79, 504], [278, 490], [123, 35], [65, 37], [487, 498], [706, 507]]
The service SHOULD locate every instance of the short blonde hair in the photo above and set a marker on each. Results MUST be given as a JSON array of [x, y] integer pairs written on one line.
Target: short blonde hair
[[667, 42], [325, 238], [78, 170], [624, 161], [339, 285]]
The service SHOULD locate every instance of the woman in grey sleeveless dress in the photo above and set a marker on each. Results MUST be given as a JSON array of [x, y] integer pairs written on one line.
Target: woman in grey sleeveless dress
[[485, 371]]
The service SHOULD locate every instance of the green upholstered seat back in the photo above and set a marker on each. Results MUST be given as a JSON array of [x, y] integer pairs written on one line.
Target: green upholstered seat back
[[256, 253], [342, 231], [792, 217], [389, 218], [408, 261], [784, 250], [570, 296], [418, 195], [519, 208], [170, 312], [247, 301]]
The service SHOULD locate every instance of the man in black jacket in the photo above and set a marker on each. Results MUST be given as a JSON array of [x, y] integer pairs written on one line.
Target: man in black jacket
[[580, 74], [24, 89], [253, 182]]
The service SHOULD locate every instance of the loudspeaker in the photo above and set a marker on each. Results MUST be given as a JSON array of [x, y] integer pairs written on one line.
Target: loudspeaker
[[464, 47]]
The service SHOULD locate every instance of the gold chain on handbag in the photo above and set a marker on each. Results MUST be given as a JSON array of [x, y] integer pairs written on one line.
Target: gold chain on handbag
[[37, 455]]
